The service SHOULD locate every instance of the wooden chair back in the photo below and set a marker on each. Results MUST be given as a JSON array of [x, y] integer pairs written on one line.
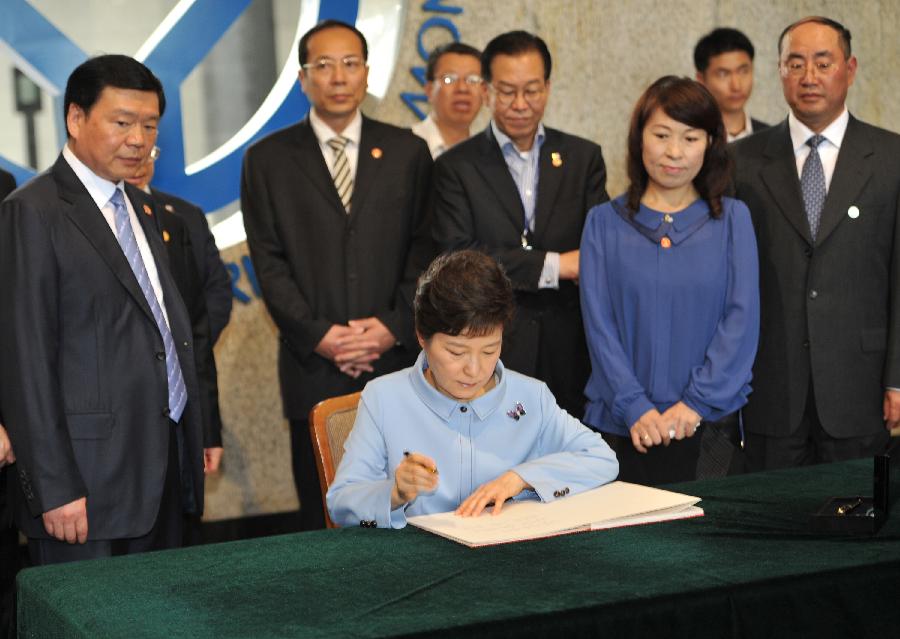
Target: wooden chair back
[[330, 423]]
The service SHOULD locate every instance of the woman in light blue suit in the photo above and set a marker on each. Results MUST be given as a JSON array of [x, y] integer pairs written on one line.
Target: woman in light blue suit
[[458, 431]]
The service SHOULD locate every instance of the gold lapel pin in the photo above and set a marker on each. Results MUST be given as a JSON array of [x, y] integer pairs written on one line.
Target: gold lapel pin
[[170, 208], [148, 210], [556, 159], [376, 153], [166, 236], [665, 243]]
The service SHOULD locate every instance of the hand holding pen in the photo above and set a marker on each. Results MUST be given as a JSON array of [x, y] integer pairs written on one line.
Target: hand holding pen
[[416, 474]]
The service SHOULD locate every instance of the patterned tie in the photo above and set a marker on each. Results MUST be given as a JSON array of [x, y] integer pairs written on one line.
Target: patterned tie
[[125, 235], [812, 183], [341, 173]]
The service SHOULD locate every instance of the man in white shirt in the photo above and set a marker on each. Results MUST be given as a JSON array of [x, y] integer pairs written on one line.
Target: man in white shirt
[[723, 59], [453, 86], [824, 191], [98, 386], [335, 212]]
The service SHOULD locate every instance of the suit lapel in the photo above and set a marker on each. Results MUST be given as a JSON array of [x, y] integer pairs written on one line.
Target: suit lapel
[[87, 217], [780, 177], [496, 173], [851, 173], [368, 165], [551, 165], [309, 160]]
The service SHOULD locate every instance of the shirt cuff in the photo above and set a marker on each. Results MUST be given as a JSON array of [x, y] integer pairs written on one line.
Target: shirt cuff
[[550, 272]]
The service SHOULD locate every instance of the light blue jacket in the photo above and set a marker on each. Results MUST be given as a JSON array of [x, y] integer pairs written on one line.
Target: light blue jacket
[[471, 442]]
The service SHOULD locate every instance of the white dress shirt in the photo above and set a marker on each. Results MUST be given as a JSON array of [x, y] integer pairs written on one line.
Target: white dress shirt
[[428, 130], [745, 132], [323, 133], [101, 190], [828, 149]]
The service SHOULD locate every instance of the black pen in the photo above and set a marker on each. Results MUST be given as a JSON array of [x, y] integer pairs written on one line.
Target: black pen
[[432, 469]]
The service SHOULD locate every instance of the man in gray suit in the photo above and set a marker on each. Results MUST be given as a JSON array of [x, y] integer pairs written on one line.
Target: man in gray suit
[[824, 192]]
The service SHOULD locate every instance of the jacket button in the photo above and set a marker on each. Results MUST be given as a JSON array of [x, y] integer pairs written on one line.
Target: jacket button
[[808, 252], [806, 343], [813, 294], [463, 409], [161, 357], [166, 412], [186, 344]]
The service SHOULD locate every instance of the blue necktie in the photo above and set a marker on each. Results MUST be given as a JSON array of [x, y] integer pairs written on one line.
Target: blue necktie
[[125, 235], [812, 183]]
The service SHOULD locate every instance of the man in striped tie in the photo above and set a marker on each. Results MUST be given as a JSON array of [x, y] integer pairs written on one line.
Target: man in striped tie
[[335, 213], [98, 386]]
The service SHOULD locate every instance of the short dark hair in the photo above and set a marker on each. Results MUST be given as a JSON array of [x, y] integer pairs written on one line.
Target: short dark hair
[[717, 42], [691, 103], [843, 32], [465, 292], [303, 47], [88, 80], [514, 43], [458, 48]]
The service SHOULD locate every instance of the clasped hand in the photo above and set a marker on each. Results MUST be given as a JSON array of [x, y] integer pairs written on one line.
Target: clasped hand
[[7, 456], [354, 347], [654, 428]]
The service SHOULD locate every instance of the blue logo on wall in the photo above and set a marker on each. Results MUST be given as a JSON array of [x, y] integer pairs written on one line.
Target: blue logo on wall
[[44, 51]]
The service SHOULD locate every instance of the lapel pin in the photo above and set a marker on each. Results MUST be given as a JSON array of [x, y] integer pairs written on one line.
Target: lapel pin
[[517, 412], [148, 210], [853, 212], [556, 159], [170, 208], [376, 153], [166, 236], [665, 243]]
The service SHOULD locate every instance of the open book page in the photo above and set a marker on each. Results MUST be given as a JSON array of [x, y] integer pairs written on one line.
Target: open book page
[[616, 503]]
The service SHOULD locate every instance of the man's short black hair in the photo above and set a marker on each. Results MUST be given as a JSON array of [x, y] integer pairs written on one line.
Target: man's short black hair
[[119, 71], [303, 47], [514, 43], [458, 48], [843, 32], [717, 42]]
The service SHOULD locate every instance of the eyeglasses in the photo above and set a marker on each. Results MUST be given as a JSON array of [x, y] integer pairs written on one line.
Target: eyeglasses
[[472, 80], [154, 153], [533, 94], [798, 68], [327, 66]]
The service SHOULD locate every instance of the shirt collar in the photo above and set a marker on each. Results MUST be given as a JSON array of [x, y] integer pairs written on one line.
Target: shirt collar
[[323, 132], [428, 130], [98, 188], [683, 223], [444, 406], [745, 132], [834, 132], [505, 142]]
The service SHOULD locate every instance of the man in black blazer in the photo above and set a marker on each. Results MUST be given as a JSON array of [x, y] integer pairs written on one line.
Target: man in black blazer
[[7, 184], [824, 191], [335, 213], [521, 193], [98, 386]]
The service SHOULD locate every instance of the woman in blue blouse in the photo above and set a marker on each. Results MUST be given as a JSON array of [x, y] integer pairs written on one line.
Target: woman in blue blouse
[[458, 431], [670, 296]]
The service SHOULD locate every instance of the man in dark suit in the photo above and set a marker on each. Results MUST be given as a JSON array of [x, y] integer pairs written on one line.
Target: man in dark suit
[[824, 191], [335, 213], [521, 192], [723, 59], [7, 184], [98, 386]]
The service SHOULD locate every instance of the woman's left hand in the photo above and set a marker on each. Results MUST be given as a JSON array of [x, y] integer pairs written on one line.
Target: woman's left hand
[[507, 485], [681, 419]]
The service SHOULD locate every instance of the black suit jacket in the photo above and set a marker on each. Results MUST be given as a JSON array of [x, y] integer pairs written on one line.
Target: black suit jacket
[[829, 309], [318, 265], [758, 125], [477, 205], [214, 280], [183, 264], [83, 382], [7, 184]]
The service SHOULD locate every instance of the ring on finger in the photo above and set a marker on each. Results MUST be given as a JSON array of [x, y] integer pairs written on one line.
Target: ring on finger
[[671, 433]]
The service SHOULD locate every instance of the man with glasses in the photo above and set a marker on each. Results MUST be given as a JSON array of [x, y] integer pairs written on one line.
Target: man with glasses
[[453, 86], [335, 213], [824, 191], [520, 192]]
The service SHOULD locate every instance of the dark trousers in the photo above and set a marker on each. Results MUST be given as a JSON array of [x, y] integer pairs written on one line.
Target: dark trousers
[[809, 444], [9, 564], [306, 477], [165, 533], [713, 451]]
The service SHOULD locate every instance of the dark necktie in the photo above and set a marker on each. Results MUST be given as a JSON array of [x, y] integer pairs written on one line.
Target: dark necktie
[[812, 183], [125, 235]]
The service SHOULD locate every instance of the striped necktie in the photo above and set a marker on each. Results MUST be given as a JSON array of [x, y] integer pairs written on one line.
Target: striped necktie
[[812, 184], [343, 182], [125, 235]]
